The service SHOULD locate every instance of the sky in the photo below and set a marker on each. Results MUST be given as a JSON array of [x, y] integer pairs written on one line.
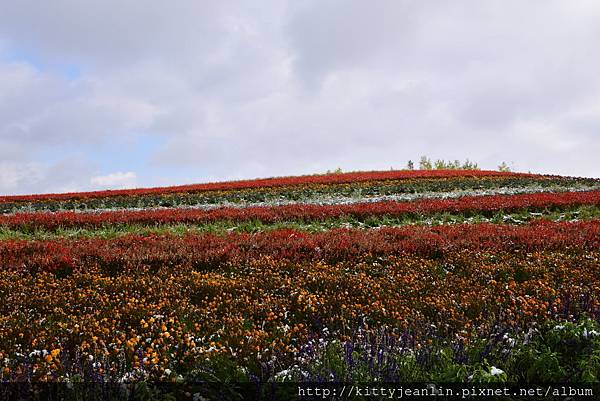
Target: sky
[[124, 93]]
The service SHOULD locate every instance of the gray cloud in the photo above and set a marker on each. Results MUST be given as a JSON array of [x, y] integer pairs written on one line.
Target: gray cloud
[[66, 175], [241, 89]]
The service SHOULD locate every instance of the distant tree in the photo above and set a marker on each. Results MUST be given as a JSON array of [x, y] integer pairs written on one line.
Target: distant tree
[[440, 164], [504, 167], [469, 165], [425, 163]]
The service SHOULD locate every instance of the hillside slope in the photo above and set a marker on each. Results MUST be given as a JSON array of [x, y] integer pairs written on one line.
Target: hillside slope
[[401, 275]]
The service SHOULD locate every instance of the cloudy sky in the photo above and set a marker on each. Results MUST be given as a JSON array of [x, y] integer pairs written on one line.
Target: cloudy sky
[[124, 93]]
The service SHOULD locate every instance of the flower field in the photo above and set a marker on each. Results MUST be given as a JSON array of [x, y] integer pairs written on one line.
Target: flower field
[[403, 275]]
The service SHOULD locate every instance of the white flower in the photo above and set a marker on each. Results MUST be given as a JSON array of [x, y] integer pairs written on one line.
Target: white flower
[[510, 341], [168, 372], [587, 334], [283, 374], [495, 371]]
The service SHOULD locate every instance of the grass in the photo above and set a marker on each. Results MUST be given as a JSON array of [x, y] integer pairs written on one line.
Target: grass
[[585, 212]]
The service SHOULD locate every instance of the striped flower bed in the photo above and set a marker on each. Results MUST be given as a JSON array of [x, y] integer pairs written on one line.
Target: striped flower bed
[[392, 298]]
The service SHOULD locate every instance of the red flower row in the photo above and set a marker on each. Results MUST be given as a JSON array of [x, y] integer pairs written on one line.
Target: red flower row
[[269, 182], [209, 251], [301, 212]]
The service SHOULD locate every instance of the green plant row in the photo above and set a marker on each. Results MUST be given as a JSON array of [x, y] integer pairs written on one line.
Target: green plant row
[[552, 352], [584, 212], [302, 193]]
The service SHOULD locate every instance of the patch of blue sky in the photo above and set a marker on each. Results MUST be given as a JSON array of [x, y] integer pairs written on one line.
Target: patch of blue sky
[[131, 153], [10, 54], [128, 153], [68, 70]]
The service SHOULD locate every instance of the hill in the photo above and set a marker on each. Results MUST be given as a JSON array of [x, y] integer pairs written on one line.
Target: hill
[[448, 275]]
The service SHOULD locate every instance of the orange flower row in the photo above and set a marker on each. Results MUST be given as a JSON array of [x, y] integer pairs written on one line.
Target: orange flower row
[[171, 319]]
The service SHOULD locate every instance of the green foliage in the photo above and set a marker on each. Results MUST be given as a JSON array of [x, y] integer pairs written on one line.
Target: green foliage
[[440, 164], [258, 195], [504, 167], [552, 352], [469, 165], [584, 212], [560, 351], [426, 164]]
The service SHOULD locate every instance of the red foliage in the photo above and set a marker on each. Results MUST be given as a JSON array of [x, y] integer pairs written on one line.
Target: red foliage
[[209, 251], [268, 182], [300, 212]]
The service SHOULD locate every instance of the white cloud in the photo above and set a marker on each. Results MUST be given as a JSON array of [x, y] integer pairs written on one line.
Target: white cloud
[[25, 177], [242, 89], [115, 180], [12, 175], [546, 136]]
